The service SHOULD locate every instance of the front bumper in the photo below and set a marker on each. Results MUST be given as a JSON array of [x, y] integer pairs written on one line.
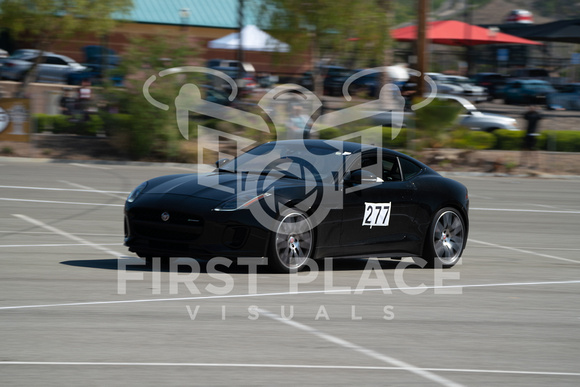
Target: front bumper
[[191, 230]]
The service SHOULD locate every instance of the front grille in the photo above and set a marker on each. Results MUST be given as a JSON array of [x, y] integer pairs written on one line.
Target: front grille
[[148, 223]]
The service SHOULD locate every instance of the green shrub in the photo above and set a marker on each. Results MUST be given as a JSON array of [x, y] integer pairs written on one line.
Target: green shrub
[[434, 120], [92, 126], [63, 124], [562, 141], [44, 122], [469, 139], [329, 133], [114, 122], [7, 151], [509, 139], [400, 140], [481, 140]]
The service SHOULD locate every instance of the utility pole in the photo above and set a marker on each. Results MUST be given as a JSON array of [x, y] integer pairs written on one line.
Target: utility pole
[[241, 46], [422, 57]]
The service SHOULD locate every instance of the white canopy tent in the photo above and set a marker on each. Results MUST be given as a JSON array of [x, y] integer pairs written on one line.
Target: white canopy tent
[[254, 39]]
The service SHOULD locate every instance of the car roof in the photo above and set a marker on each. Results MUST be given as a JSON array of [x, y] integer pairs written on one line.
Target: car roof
[[346, 146], [529, 81]]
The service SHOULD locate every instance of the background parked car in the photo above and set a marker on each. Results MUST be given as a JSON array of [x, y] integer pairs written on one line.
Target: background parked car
[[334, 79], [471, 91], [443, 85], [52, 68], [244, 74], [493, 83], [567, 97], [19, 54], [469, 116], [100, 62], [527, 91], [530, 73], [95, 73]]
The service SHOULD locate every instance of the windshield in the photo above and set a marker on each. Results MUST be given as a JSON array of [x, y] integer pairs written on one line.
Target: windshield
[[294, 159]]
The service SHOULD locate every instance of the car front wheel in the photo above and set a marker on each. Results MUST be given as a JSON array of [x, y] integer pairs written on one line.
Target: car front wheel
[[446, 239], [292, 243]]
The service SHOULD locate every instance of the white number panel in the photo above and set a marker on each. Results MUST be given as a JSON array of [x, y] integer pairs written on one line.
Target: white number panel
[[377, 214]]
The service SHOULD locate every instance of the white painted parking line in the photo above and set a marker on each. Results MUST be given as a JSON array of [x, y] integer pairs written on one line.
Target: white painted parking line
[[68, 235], [572, 212], [91, 166], [58, 202], [522, 251], [541, 205], [92, 190], [360, 349], [50, 233], [290, 293], [61, 245], [288, 366]]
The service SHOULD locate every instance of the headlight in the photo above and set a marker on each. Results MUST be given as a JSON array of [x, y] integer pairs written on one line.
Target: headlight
[[240, 201], [136, 192]]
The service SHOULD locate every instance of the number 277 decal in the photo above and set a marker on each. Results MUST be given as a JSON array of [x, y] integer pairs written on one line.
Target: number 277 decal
[[377, 214]]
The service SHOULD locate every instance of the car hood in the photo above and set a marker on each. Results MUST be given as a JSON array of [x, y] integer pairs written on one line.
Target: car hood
[[216, 186]]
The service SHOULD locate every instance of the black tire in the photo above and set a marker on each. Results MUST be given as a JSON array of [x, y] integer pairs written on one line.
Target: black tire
[[445, 240], [292, 244]]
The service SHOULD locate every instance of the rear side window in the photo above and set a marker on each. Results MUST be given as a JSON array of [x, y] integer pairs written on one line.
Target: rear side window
[[409, 168], [54, 60]]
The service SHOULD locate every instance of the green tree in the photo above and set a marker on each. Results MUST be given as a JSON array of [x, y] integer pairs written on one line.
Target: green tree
[[352, 33], [138, 128], [42, 22]]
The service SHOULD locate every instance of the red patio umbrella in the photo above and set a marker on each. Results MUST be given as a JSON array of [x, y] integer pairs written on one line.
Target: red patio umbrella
[[456, 33]]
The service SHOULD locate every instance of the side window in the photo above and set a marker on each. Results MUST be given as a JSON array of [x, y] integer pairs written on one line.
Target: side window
[[388, 169], [391, 170], [410, 169], [55, 61]]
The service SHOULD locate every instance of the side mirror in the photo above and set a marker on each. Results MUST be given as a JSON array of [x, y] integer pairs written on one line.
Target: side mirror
[[221, 162], [360, 176]]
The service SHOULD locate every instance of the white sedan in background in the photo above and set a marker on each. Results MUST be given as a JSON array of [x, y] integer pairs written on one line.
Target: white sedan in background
[[52, 67], [468, 117]]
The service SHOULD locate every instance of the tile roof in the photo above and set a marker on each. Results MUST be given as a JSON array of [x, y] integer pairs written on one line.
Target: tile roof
[[202, 13]]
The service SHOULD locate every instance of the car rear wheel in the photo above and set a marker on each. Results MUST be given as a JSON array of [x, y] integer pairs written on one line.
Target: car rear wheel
[[292, 244], [446, 239]]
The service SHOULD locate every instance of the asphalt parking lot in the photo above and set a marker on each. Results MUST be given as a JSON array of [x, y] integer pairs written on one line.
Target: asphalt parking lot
[[77, 308]]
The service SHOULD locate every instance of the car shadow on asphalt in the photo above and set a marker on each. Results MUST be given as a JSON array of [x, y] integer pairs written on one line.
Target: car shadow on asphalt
[[188, 265]]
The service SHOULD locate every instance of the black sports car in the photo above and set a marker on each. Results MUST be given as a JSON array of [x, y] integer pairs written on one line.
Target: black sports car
[[299, 199]]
